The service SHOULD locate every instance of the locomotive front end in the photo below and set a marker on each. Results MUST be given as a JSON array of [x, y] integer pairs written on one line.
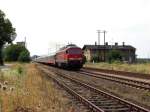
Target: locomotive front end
[[75, 57]]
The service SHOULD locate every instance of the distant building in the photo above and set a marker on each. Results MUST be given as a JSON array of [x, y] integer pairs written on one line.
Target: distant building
[[21, 43], [34, 57], [102, 51]]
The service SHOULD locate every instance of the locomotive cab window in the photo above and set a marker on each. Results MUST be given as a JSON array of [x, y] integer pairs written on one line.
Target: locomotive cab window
[[75, 51], [67, 52]]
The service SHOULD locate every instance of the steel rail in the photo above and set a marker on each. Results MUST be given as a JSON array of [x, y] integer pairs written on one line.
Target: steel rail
[[129, 82], [123, 73], [101, 73], [132, 107], [90, 105]]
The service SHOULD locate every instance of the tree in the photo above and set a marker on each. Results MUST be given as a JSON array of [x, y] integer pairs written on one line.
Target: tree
[[24, 56], [7, 33], [84, 59], [114, 55], [13, 52]]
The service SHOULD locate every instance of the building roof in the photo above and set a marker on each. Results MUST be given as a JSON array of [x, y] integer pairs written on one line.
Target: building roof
[[108, 47], [21, 43]]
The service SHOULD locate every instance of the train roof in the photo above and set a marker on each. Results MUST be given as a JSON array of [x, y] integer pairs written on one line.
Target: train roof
[[45, 56], [68, 46]]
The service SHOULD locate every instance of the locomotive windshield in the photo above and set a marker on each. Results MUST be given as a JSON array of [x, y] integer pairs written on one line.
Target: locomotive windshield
[[74, 51]]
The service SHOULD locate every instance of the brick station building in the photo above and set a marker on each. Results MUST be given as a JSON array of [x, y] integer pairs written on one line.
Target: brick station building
[[102, 51]]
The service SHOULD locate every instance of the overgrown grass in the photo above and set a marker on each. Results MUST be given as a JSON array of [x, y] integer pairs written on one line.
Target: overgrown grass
[[31, 91], [138, 68]]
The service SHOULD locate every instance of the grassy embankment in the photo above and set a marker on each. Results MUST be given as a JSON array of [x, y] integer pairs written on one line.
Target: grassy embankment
[[24, 89], [138, 68]]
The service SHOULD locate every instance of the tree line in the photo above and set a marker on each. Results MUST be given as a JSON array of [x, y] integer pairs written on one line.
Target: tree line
[[16, 53], [7, 36]]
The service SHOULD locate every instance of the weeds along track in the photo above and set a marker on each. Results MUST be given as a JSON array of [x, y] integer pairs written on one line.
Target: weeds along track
[[95, 99], [121, 80]]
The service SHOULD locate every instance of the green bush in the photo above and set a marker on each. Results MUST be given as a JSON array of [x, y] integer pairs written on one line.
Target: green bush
[[84, 59], [24, 56], [114, 55], [95, 59], [20, 70], [16, 52]]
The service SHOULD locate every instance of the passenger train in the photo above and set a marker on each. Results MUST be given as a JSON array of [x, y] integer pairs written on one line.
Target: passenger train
[[70, 56]]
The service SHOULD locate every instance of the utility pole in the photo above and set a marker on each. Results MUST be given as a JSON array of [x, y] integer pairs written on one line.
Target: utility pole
[[101, 31], [104, 46], [98, 31], [104, 36], [56, 47], [25, 42]]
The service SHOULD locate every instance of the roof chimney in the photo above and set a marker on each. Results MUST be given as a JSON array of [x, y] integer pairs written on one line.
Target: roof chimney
[[116, 43], [95, 43], [106, 43], [123, 43]]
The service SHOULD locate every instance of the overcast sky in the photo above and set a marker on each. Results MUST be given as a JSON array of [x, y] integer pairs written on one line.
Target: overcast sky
[[46, 23]]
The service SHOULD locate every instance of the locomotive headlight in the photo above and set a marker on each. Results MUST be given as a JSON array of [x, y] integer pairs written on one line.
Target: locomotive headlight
[[75, 59]]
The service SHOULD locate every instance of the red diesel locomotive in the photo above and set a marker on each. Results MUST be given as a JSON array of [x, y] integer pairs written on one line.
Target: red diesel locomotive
[[69, 56]]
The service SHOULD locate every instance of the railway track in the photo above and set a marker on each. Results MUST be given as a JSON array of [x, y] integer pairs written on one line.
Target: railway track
[[123, 73], [95, 99], [125, 81]]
